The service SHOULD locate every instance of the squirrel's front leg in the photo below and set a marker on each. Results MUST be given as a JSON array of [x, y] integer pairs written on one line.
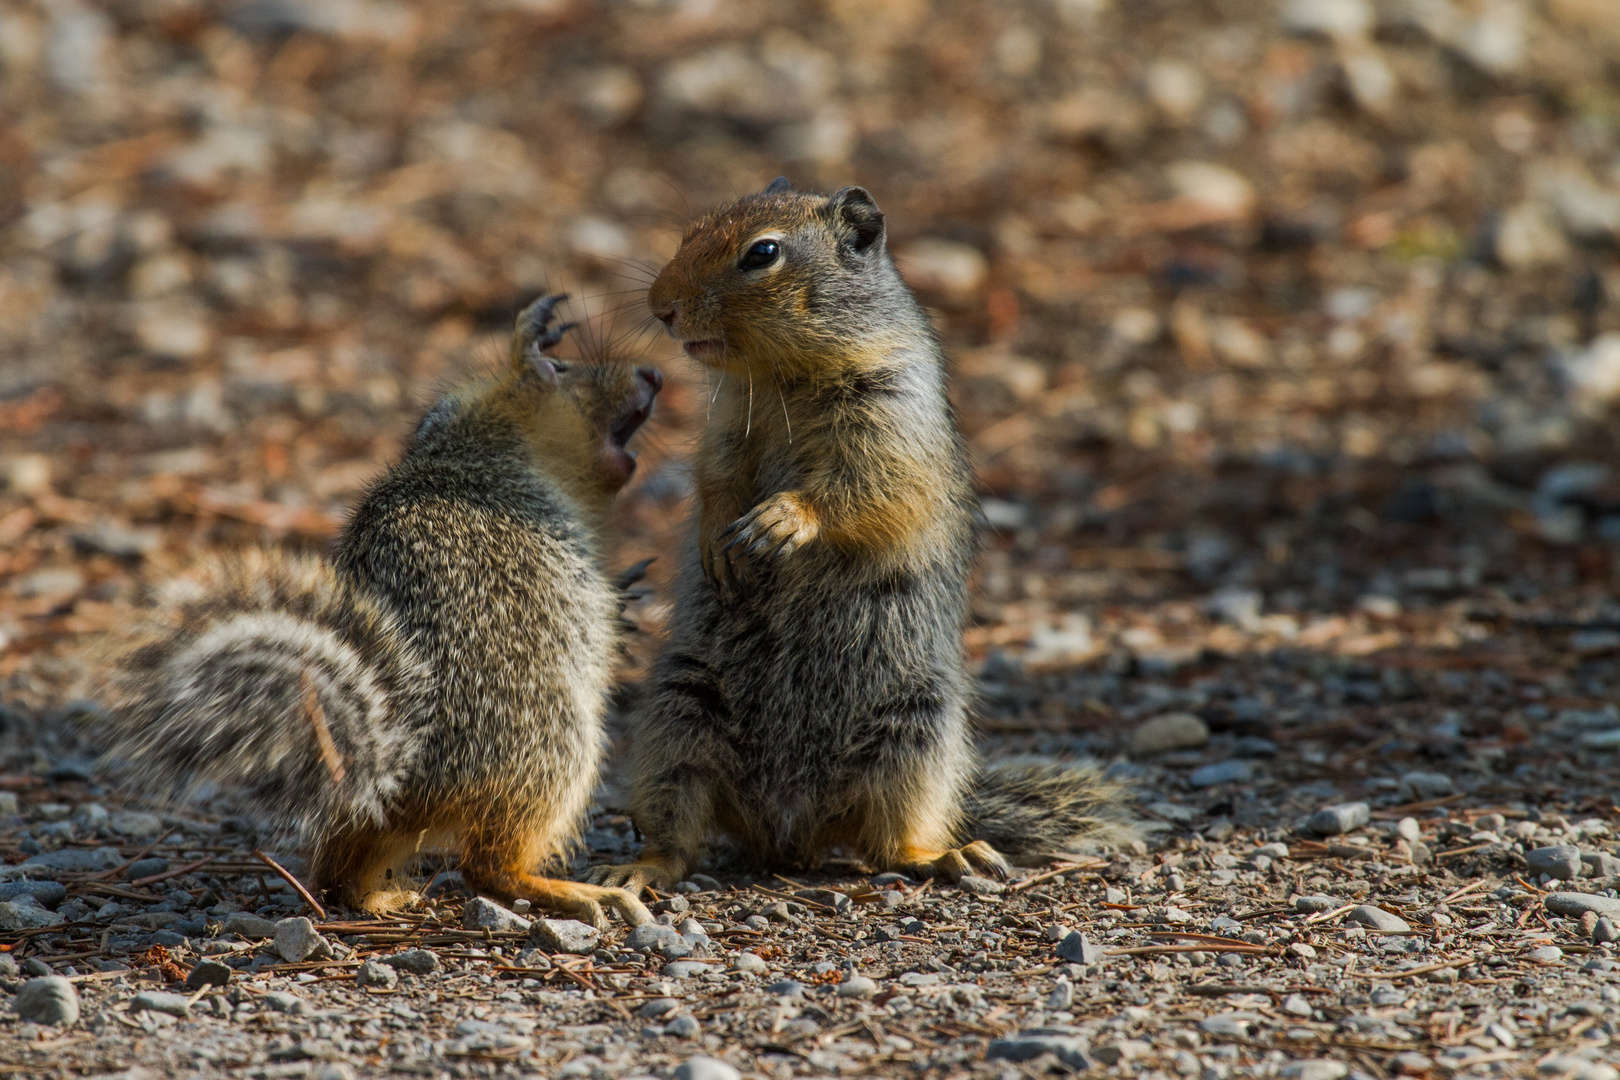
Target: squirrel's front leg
[[775, 528]]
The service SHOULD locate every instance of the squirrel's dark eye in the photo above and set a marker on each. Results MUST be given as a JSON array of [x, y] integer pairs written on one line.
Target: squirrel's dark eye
[[760, 255]]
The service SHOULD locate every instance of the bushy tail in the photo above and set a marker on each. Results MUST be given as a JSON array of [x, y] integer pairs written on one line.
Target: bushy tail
[[1038, 809], [285, 681]]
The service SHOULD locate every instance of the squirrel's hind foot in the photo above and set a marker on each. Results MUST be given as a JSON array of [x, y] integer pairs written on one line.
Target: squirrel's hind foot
[[587, 903], [387, 902], [953, 863], [650, 872]]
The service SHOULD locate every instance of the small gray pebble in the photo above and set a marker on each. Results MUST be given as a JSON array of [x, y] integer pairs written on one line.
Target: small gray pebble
[[161, 1002], [281, 1001], [142, 868], [482, 913], [48, 1000], [1311, 905], [415, 961], [1231, 771], [978, 886], [1560, 861], [1573, 904], [684, 1027], [208, 973], [248, 926], [705, 1068], [838, 901], [686, 969], [297, 941], [565, 936], [749, 963], [657, 1008], [25, 914], [1379, 919], [857, 986], [45, 893], [1078, 949], [1028, 1045], [1335, 820], [380, 975]]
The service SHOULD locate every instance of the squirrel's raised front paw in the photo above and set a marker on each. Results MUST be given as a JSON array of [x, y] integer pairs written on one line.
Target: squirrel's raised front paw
[[776, 527]]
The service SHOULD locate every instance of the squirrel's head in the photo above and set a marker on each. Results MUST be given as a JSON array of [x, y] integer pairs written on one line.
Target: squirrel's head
[[577, 416], [776, 283]]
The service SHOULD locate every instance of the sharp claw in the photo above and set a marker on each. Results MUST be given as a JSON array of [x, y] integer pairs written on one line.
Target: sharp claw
[[738, 539], [552, 336], [541, 310]]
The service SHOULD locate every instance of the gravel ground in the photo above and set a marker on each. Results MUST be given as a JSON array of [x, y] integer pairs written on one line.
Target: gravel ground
[[1344, 874], [1286, 339]]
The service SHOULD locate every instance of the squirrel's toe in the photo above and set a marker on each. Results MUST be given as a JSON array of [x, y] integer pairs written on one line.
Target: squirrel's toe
[[632, 911], [988, 859], [591, 912]]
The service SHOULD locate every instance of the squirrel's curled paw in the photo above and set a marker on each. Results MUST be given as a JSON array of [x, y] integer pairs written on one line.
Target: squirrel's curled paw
[[776, 527], [635, 877]]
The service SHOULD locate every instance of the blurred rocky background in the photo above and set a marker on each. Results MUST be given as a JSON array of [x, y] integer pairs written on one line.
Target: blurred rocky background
[[1275, 324]]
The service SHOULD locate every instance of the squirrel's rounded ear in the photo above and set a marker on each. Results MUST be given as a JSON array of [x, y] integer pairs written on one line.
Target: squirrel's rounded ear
[[854, 208], [538, 368], [780, 184]]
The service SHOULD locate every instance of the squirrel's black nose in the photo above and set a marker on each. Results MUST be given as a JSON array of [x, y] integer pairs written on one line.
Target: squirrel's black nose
[[667, 316], [652, 377]]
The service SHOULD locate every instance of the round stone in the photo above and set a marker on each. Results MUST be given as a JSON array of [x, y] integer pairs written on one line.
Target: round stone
[[48, 1000]]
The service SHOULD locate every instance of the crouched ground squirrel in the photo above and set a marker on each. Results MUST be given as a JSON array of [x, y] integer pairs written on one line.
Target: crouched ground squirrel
[[440, 684], [812, 694]]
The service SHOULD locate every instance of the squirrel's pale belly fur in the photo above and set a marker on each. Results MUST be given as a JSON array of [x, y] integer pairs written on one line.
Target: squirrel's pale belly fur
[[442, 680], [838, 675]]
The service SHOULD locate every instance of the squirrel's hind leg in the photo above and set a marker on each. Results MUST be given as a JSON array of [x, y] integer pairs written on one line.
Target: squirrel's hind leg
[[499, 860], [674, 805], [911, 825], [367, 869], [677, 764]]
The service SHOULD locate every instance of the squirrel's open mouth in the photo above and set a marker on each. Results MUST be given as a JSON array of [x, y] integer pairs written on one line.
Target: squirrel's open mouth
[[628, 424], [648, 383]]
